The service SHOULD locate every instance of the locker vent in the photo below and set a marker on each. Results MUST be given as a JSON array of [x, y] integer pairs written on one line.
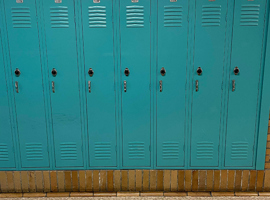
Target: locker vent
[[21, 17], [68, 151], [205, 150], [211, 15], [173, 16], [3, 152], [239, 151], [135, 16], [136, 150], [34, 151], [59, 17], [103, 151], [170, 150], [97, 16], [250, 15]]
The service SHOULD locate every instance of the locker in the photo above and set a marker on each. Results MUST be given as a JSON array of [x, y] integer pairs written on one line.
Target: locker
[[135, 82], [99, 53], [210, 29], [171, 73], [62, 64], [25, 62], [248, 35], [7, 159]]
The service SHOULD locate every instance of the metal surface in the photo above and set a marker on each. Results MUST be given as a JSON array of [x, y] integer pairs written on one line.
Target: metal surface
[[181, 117], [24, 48]]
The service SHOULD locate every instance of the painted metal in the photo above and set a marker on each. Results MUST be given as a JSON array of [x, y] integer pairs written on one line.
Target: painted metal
[[61, 54], [171, 74], [210, 29], [7, 150], [135, 55], [98, 34], [137, 84], [244, 99], [23, 40]]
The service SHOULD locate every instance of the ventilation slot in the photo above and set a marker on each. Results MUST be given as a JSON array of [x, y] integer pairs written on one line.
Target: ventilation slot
[[173, 16], [3, 152], [135, 16], [136, 150], [21, 17], [250, 15], [205, 150], [103, 151], [59, 17], [34, 151], [68, 151], [170, 150], [97, 16], [239, 151], [211, 15]]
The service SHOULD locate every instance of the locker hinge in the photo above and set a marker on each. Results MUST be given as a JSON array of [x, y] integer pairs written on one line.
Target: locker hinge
[[150, 18], [112, 19], [184, 147], [149, 147], [13, 149], [150, 86], [82, 148], [115, 147]]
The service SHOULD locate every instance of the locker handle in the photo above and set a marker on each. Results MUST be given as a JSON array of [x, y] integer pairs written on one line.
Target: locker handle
[[233, 85], [197, 85], [125, 86], [17, 86], [160, 86], [53, 87], [89, 86]]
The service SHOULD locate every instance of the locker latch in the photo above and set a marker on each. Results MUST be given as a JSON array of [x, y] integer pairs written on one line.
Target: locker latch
[[125, 86], [160, 86], [197, 85], [89, 86], [96, 1], [58, 1], [233, 85], [19, 1], [17, 86]]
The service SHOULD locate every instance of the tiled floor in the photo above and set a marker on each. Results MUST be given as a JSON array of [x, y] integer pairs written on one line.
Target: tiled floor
[[145, 198]]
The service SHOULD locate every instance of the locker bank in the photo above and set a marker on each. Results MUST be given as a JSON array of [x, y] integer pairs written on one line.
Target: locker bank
[[134, 84]]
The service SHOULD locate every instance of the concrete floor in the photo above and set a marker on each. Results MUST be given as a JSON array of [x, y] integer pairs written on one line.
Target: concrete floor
[[143, 198]]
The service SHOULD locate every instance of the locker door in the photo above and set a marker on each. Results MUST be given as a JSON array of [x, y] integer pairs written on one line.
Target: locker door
[[243, 101], [172, 56], [135, 61], [99, 56], [7, 142], [65, 96], [210, 29], [29, 97]]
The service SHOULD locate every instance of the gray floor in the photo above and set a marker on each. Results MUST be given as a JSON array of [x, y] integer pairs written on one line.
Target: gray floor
[[143, 198]]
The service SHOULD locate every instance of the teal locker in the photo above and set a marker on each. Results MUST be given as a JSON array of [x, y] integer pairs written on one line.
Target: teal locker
[[135, 81], [25, 61], [98, 34], [60, 32], [210, 29], [243, 101], [7, 157], [171, 77]]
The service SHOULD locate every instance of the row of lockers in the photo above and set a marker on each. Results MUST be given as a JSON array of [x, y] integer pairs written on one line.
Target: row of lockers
[[130, 84]]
